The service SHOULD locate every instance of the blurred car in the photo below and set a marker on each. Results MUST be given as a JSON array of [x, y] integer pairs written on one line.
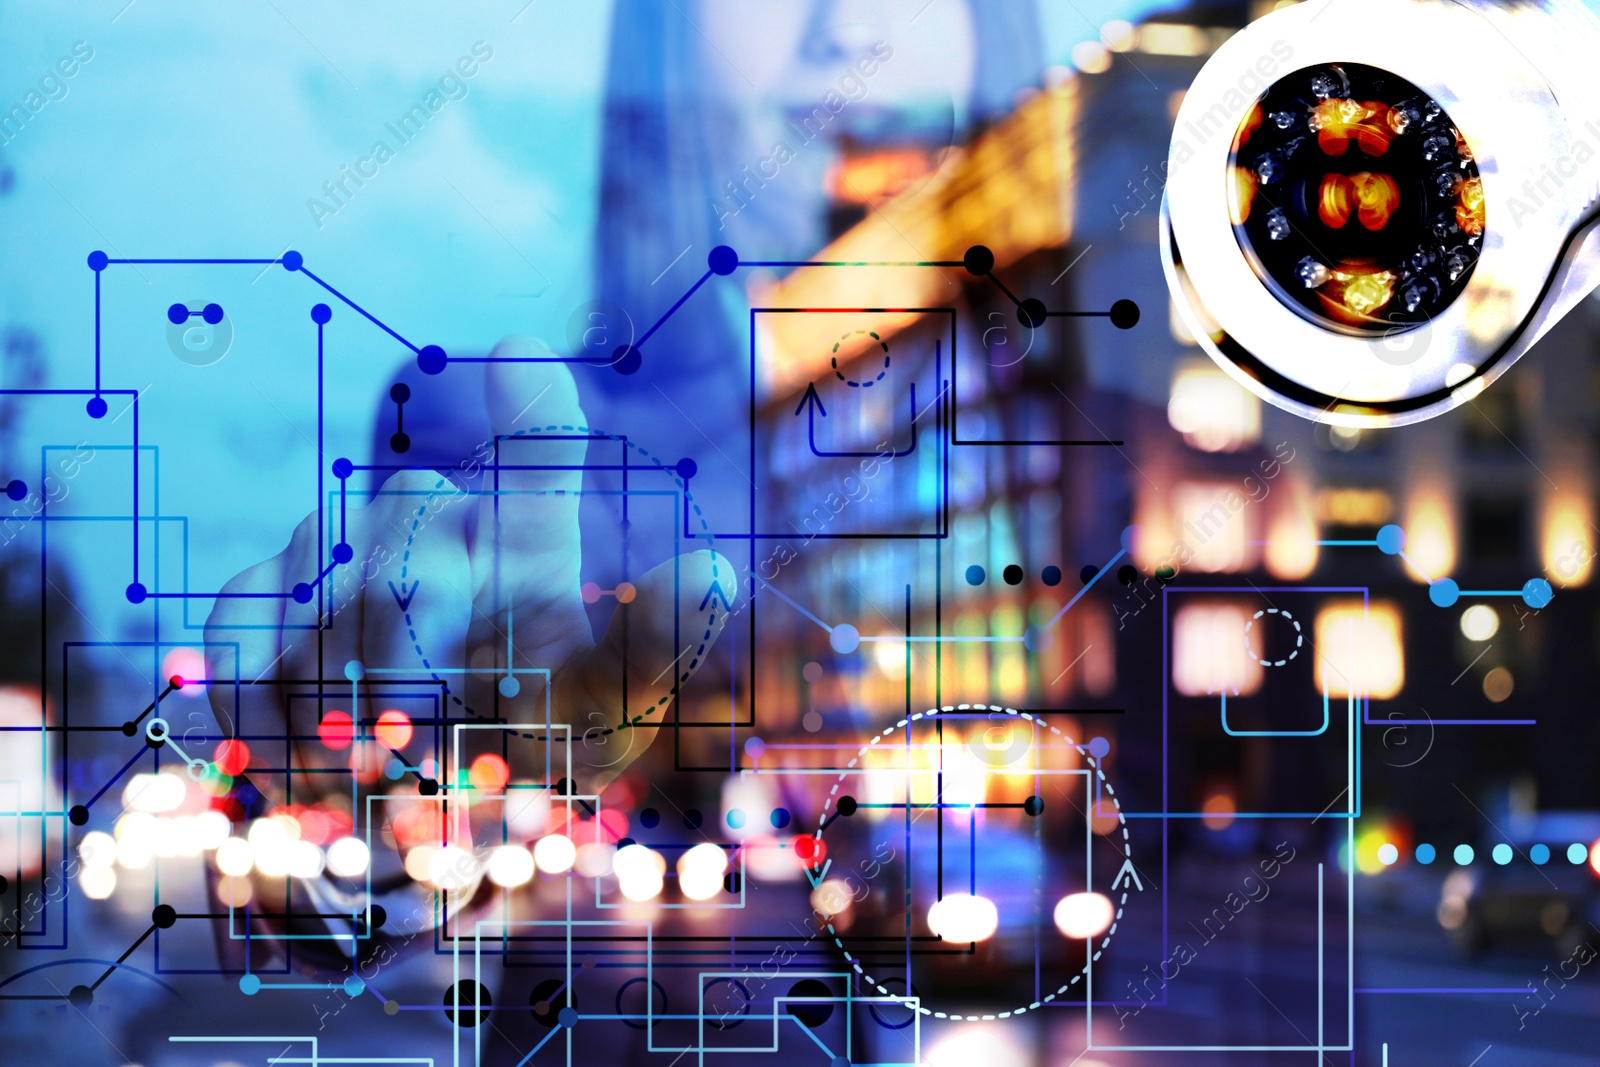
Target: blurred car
[[1525, 903]]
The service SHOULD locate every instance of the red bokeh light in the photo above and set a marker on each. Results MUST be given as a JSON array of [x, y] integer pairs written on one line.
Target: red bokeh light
[[336, 730], [232, 757]]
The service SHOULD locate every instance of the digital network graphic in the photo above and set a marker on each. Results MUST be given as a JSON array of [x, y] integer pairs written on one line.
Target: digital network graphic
[[822, 661]]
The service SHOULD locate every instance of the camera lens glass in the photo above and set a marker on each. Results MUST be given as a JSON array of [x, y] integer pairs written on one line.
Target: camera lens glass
[[1355, 198]]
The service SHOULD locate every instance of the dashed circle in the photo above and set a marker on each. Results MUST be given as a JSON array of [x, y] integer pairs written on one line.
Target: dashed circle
[[672, 470], [1122, 823], [851, 382], [1299, 637]]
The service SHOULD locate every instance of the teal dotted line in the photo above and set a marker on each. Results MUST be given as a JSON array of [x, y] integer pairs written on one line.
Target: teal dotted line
[[1127, 853], [711, 622]]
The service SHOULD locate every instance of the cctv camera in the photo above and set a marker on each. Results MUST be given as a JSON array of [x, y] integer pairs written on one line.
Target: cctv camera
[[1374, 207]]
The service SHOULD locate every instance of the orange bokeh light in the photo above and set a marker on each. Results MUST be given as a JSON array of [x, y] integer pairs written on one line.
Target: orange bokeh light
[[393, 729], [489, 773], [1244, 195], [1469, 207], [1338, 122], [1372, 198], [1218, 811]]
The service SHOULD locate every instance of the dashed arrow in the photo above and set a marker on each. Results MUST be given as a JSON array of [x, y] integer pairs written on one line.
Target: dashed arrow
[[816, 879], [405, 600], [1127, 872], [716, 591]]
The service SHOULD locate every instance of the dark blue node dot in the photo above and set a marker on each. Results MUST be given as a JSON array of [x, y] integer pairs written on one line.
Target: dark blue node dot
[[1391, 540], [1444, 592], [1031, 313], [212, 313], [96, 407], [177, 314], [978, 260], [693, 819], [400, 442], [624, 842], [16, 489], [136, 592], [975, 575], [98, 260], [79, 815], [780, 818], [687, 468], [1124, 314], [343, 468], [1012, 575], [1086, 575], [343, 553], [321, 313], [292, 260], [432, 360], [625, 359], [301, 593], [723, 260], [399, 392], [567, 1017], [649, 818], [1051, 575]]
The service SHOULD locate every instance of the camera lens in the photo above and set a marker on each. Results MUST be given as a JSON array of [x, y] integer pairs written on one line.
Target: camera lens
[[1355, 198]]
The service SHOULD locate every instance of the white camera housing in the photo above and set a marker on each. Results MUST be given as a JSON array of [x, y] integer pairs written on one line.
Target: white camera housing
[[1518, 81]]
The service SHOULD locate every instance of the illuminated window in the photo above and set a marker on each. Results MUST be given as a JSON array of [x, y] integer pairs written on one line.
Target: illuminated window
[[1212, 411], [971, 658], [1354, 507], [1568, 556], [1215, 520], [1292, 535], [1430, 525], [1209, 653], [866, 179], [1360, 650], [1010, 659], [1173, 39]]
